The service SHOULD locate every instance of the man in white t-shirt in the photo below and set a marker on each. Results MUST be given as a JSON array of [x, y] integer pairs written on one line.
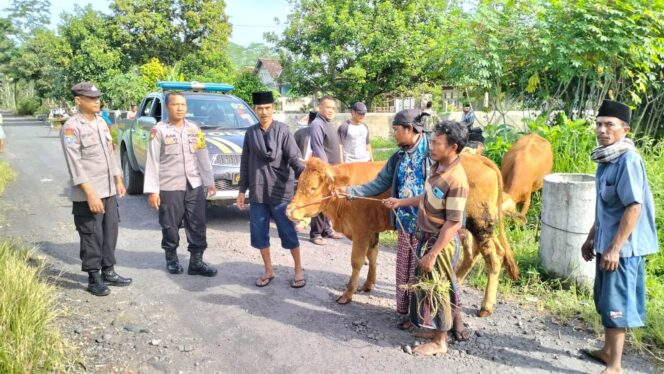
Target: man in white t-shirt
[[354, 136]]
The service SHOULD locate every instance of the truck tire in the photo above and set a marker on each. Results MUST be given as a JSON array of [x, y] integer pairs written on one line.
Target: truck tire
[[133, 179]]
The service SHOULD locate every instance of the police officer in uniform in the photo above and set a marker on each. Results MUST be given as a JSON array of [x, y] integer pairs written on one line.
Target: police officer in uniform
[[176, 171], [96, 179]]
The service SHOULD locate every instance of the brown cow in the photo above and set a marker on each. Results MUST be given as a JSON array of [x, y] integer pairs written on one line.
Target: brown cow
[[523, 169], [482, 214], [361, 220]]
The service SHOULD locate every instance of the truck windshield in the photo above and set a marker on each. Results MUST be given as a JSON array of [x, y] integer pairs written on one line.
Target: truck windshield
[[215, 111]]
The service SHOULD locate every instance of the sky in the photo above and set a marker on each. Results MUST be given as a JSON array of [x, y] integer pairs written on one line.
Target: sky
[[250, 18]]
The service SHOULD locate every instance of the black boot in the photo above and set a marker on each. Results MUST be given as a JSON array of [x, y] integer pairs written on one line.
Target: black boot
[[173, 263], [198, 267], [96, 285], [112, 278]]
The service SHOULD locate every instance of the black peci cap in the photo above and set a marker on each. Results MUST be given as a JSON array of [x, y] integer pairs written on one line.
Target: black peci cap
[[261, 98], [615, 109]]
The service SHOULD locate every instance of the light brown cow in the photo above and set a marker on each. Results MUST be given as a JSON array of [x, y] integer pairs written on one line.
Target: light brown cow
[[361, 220], [482, 215], [523, 169]]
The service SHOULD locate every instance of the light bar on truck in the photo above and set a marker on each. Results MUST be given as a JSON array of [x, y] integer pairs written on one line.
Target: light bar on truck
[[195, 86]]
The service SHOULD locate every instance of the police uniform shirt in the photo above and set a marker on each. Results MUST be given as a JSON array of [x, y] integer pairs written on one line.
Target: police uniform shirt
[[89, 155], [176, 157]]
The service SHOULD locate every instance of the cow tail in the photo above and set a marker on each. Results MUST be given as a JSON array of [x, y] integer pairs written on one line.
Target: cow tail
[[509, 255]]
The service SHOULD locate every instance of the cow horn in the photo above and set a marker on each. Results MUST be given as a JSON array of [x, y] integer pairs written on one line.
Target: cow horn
[[330, 174], [302, 160]]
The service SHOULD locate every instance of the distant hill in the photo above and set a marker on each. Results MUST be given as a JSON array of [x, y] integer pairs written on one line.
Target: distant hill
[[242, 56]]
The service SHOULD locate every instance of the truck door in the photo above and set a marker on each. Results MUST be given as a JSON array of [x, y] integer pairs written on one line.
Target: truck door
[[141, 135]]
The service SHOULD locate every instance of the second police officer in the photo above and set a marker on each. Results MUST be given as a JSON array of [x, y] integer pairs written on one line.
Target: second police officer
[[176, 171]]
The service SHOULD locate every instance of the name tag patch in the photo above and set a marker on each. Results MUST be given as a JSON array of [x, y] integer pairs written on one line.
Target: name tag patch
[[438, 193], [170, 139]]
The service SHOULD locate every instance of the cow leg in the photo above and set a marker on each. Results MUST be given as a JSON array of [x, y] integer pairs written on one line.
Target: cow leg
[[372, 255], [526, 205], [493, 263], [471, 253], [357, 256]]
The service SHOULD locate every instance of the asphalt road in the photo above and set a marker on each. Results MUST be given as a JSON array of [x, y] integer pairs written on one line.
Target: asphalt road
[[180, 323]]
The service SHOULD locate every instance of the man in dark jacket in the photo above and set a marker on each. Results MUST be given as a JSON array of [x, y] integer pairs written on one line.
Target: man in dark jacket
[[270, 158], [324, 145], [302, 137]]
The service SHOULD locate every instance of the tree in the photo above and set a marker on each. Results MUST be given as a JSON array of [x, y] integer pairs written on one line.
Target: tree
[[44, 59], [27, 16], [94, 57], [194, 32], [242, 57], [126, 89], [246, 84], [151, 72], [357, 50], [7, 47]]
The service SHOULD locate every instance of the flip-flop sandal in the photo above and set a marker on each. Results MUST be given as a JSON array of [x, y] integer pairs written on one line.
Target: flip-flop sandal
[[298, 283], [262, 282], [589, 353]]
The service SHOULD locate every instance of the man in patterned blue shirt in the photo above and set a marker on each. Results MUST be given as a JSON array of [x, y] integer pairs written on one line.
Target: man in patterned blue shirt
[[624, 232], [405, 173]]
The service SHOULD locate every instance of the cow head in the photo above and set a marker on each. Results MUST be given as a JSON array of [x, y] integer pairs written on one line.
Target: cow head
[[314, 190], [509, 209]]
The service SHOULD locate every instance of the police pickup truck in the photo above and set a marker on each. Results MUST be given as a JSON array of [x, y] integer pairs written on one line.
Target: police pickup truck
[[223, 118]]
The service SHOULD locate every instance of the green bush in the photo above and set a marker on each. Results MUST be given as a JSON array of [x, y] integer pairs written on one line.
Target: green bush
[[28, 106]]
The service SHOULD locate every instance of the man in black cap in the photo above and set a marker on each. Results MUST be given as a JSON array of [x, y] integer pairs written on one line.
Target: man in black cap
[[270, 160], [324, 145], [623, 234], [354, 136], [302, 139], [96, 180]]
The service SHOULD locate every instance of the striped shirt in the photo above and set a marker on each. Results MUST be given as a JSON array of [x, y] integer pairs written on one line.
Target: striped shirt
[[445, 196]]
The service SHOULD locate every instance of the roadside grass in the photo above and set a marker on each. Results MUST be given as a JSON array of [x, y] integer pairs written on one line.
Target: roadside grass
[[29, 339], [6, 175]]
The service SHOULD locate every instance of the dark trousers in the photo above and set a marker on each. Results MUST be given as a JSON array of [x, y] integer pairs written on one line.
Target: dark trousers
[[320, 226], [176, 206], [98, 233]]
